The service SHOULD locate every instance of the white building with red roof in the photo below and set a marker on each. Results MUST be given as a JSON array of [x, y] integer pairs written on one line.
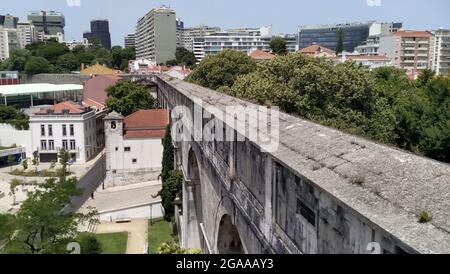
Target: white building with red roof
[[67, 125], [134, 146], [316, 51]]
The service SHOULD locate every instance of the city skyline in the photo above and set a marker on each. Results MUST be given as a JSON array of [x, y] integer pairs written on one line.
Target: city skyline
[[195, 12]]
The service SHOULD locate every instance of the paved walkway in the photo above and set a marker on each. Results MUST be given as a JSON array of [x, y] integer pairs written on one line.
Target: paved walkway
[[137, 234]]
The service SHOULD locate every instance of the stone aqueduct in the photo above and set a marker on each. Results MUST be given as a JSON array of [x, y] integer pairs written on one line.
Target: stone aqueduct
[[322, 191]]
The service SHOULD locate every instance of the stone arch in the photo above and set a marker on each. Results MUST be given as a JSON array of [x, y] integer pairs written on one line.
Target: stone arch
[[228, 239], [195, 201]]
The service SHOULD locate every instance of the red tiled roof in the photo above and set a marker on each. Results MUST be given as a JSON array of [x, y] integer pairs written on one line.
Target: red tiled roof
[[73, 108], [314, 48], [91, 103], [412, 33], [150, 123], [261, 55], [95, 88]]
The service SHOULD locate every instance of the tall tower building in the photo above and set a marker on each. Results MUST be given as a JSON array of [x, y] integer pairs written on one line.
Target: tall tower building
[[99, 31], [156, 35], [8, 35]]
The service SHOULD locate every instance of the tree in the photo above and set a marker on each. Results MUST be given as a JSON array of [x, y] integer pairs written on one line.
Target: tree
[[278, 45], [14, 116], [36, 65], [68, 62], [41, 224], [173, 248], [17, 59], [127, 97], [425, 77], [13, 184], [171, 191], [168, 157], [184, 57], [64, 157], [340, 43], [121, 57], [7, 226], [25, 164], [89, 244], [35, 159], [222, 70]]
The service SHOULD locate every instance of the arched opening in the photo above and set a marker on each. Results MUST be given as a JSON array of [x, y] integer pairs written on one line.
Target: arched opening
[[228, 239], [195, 207]]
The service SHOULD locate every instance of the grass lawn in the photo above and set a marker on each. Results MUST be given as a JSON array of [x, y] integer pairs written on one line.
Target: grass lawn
[[158, 233], [113, 243]]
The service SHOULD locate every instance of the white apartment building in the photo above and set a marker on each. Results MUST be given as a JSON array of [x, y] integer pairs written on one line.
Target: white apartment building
[[440, 58], [65, 125], [134, 146], [186, 35], [372, 45], [243, 40], [4, 45], [73, 43], [130, 40], [26, 33], [156, 35]]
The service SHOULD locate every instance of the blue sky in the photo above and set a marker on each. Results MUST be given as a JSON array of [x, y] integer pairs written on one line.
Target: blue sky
[[284, 15]]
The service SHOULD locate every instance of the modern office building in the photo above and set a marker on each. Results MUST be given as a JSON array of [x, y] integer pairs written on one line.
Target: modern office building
[[244, 40], [186, 37], [130, 40], [440, 59], [48, 24], [409, 50], [328, 35], [100, 32], [8, 35], [156, 35]]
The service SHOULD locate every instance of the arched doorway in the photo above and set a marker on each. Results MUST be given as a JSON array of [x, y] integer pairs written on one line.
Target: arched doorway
[[228, 239]]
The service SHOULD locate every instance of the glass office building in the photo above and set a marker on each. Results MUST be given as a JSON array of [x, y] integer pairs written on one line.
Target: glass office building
[[327, 35]]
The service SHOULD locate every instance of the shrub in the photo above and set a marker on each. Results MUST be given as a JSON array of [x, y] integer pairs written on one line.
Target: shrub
[[424, 217]]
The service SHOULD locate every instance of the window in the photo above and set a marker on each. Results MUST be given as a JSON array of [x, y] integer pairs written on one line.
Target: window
[[306, 212], [134, 161], [72, 132], [42, 130], [127, 149], [43, 145], [117, 149], [65, 144], [51, 145], [64, 129], [72, 145], [50, 130]]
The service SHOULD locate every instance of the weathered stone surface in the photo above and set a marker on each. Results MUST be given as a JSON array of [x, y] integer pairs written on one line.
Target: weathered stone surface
[[329, 192]]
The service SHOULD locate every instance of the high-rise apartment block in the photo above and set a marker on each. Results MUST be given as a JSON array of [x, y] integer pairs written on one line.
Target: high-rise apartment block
[[130, 40], [156, 35], [409, 50], [440, 57], [100, 32]]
